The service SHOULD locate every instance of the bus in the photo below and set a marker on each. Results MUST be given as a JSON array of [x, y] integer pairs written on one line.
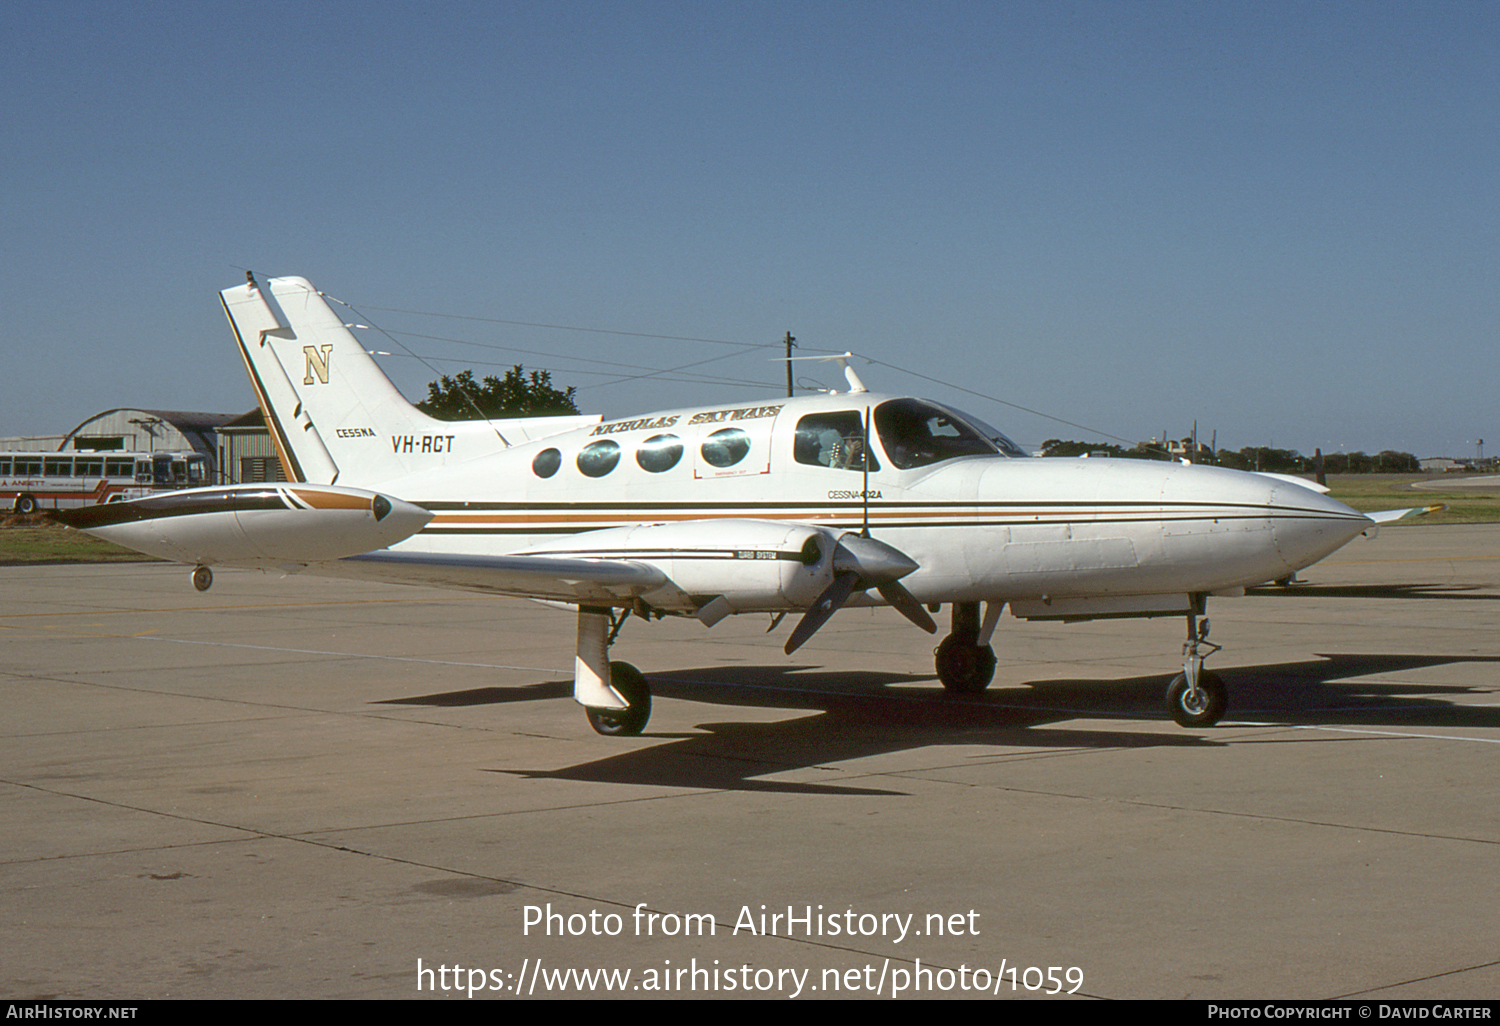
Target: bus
[[30, 481]]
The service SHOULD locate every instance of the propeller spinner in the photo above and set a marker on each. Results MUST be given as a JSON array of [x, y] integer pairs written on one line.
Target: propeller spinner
[[860, 563]]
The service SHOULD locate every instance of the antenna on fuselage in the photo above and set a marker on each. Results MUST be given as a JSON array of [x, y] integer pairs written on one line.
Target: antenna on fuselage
[[864, 488], [842, 359]]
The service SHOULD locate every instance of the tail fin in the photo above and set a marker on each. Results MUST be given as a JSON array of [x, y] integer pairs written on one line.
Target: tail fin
[[333, 415]]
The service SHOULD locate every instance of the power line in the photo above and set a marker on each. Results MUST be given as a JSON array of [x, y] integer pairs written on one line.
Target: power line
[[571, 327]]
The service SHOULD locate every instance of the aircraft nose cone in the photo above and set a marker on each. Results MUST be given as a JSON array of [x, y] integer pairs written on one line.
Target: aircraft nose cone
[[1308, 526]]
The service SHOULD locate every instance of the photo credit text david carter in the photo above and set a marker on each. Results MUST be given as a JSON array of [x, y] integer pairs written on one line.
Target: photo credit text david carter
[[702, 975]]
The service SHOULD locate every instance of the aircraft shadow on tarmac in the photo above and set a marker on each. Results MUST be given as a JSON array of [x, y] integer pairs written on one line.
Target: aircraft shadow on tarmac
[[863, 714], [1466, 592]]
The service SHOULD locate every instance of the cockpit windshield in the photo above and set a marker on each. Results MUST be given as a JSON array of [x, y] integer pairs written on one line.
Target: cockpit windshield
[[1004, 444], [917, 433]]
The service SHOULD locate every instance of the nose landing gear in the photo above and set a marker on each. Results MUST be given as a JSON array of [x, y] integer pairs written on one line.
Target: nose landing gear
[[1197, 697]]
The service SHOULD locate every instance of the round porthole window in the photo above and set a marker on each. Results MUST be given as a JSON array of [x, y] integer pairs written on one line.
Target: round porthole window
[[546, 463], [659, 453], [726, 447], [599, 458]]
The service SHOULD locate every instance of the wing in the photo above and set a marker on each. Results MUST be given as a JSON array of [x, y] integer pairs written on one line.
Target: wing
[[597, 582], [1386, 516]]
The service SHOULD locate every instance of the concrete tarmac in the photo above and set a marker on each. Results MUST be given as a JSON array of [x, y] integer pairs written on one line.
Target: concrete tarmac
[[304, 788]]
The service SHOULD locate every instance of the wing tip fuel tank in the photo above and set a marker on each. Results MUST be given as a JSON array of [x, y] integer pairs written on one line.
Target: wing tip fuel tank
[[253, 525]]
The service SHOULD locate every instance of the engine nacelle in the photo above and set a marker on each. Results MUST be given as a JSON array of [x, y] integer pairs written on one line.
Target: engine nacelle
[[751, 565]]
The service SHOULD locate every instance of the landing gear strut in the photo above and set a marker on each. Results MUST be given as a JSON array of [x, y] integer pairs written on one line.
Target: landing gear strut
[[965, 662], [615, 695], [1196, 697]]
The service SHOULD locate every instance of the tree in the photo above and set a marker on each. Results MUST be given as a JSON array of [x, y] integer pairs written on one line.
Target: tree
[[1062, 447], [518, 395]]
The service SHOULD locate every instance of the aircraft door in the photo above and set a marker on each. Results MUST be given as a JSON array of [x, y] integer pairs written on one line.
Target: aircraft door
[[733, 443]]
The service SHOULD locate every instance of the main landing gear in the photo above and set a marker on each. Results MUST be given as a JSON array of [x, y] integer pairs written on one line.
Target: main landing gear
[[1196, 697], [964, 660], [615, 695]]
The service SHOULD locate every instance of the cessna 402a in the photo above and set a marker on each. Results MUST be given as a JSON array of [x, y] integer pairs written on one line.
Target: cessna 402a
[[798, 505]]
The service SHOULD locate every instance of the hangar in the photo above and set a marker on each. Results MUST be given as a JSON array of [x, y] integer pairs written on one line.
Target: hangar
[[237, 447]]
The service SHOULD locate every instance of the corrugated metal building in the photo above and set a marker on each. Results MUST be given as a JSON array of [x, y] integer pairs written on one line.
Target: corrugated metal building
[[246, 452], [133, 430]]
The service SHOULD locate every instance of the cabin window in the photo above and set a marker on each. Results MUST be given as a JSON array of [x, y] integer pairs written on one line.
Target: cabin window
[[834, 440], [88, 468], [59, 467], [546, 463], [599, 458], [659, 453], [726, 447]]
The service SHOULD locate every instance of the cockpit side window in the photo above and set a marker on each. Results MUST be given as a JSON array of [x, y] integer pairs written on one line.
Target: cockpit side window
[[917, 433], [833, 440]]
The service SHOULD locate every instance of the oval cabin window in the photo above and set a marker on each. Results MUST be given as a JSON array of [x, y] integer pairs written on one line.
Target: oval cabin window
[[546, 463], [726, 447], [659, 453], [599, 458]]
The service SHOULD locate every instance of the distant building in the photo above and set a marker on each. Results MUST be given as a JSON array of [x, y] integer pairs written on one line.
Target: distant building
[[246, 452], [1448, 464], [1440, 463], [132, 430]]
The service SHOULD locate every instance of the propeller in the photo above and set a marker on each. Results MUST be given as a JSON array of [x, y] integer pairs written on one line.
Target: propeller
[[860, 563]]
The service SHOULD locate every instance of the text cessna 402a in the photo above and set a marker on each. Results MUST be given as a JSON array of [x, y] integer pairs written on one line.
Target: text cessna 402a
[[780, 506]]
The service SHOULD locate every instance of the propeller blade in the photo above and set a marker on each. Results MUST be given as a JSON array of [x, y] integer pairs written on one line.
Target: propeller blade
[[827, 604], [904, 603]]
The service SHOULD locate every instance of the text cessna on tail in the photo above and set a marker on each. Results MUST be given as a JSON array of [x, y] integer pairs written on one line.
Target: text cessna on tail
[[782, 506]]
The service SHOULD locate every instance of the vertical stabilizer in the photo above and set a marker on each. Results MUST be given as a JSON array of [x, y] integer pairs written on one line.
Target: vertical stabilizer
[[333, 415]]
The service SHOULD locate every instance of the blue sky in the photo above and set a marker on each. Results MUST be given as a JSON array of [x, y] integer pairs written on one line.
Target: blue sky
[[1280, 220]]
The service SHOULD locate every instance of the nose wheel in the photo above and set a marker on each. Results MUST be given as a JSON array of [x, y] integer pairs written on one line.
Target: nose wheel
[[1202, 707], [1197, 697]]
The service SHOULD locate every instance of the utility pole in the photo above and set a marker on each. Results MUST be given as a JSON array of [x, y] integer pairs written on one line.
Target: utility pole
[[789, 341]]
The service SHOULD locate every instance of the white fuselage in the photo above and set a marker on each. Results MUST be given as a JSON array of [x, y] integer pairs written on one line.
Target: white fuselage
[[980, 527]]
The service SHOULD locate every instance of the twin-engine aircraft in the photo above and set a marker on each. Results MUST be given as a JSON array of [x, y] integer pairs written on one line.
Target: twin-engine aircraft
[[779, 506]]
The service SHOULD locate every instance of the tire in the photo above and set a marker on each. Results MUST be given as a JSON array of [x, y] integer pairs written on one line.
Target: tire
[[631, 720], [964, 667], [25, 504], [1208, 710]]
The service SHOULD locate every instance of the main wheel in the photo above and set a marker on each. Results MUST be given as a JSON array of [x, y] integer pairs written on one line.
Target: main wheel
[[631, 720], [1203, 711], [203, 578], [964, 667]]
